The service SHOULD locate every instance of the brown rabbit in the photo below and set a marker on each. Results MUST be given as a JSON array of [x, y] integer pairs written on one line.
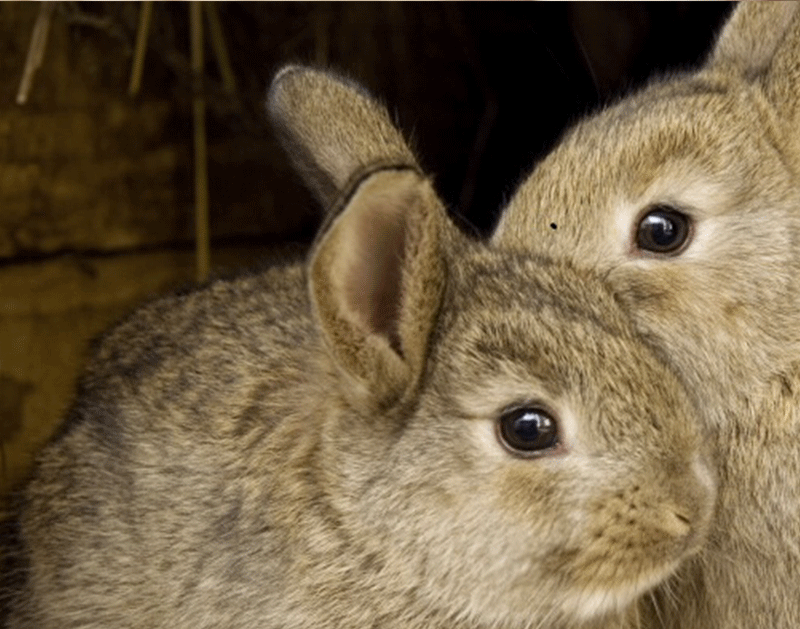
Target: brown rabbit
[[685, 197], [412, 430]]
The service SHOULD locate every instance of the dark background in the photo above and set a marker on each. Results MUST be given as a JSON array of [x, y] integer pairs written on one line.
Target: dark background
[[484, 88]]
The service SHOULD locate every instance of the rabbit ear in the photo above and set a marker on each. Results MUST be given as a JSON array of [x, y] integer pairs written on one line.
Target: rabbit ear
[[376, 278], [761, 42], [332, 129]]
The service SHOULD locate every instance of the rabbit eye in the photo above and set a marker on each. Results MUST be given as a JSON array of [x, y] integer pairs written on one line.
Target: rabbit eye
[[663, 230], [527, 430]]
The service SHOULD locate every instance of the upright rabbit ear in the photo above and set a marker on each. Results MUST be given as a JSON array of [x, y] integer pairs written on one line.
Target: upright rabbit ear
[[761, 43], [376, 278], [332, 129]]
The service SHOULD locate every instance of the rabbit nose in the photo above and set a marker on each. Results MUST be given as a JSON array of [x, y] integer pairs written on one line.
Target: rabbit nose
[[675, 522]]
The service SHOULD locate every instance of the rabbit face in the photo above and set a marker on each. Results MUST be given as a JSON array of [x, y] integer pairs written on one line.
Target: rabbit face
[[581, 524], [719, 286]]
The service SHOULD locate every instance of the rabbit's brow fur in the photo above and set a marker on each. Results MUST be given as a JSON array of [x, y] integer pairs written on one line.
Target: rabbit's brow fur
[[315, 445], [721, 144]]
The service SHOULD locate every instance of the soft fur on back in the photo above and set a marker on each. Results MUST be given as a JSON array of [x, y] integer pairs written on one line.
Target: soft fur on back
[[722, 146], [320, 444]]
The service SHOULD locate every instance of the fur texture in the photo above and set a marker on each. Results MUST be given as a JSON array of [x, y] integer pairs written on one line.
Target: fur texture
[[722, 145], [317, 445]]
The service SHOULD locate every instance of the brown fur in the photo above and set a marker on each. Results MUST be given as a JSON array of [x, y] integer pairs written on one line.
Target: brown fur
[[723, 144], [314, 446]]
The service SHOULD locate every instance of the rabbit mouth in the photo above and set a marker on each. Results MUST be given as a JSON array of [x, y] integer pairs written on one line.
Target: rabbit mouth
[[592, 603]]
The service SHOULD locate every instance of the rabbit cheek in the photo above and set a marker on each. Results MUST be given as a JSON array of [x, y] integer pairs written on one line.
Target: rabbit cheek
[[593, 561], [604, 551], [619, 561]]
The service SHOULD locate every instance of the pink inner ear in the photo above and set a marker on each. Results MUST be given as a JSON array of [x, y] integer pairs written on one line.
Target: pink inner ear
[[375, 273]]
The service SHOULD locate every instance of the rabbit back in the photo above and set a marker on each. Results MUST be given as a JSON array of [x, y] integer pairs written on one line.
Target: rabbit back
[[155, 472]]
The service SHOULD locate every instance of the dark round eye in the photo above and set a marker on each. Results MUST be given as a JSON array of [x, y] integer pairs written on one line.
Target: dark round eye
[[663, 230], [527, 430]]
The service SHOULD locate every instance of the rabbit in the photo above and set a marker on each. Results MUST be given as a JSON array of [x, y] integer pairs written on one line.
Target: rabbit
[[408, 429], [685, 198]]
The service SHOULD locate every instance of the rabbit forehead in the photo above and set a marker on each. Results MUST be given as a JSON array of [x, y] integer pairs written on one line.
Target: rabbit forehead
[[536, 333], [706, 151]]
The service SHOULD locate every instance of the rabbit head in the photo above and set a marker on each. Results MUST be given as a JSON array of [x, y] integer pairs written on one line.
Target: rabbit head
[[685, 198], [498, 436]]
